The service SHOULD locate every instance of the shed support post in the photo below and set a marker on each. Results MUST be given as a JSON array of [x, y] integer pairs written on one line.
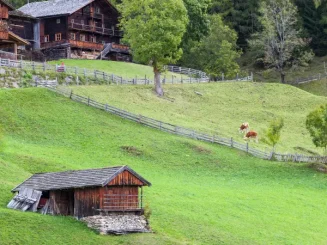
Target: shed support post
[[141, 197]]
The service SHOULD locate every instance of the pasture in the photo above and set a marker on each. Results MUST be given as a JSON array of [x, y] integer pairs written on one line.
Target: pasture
[[123, 69], [221, 108], [201, 193]]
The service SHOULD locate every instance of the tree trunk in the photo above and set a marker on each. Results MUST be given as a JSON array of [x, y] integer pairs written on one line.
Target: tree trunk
[[282, 77], [157, 81]]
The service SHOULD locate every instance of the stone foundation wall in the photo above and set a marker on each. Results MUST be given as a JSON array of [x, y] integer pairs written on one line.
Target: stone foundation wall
[[118, 224]]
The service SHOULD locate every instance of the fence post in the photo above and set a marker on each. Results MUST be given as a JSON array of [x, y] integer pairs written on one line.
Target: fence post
[[247, 147], [75, 70], [0, 62], [33, 65], [21, 63], [172, 79], [71, 94], [95, 75], [121, 80], [252, 78], [84, 71], [232, 142], [43, 65], [222, 76], [88, 101], [106, 107], [213, 139]]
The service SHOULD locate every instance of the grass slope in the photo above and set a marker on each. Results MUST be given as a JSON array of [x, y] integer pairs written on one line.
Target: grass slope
[[201, 193], [317, 87], [221, 109], [124, 69]]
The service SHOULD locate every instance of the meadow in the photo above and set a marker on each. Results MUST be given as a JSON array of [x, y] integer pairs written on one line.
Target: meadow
[[220, 108], [201, 193], [123, 69]]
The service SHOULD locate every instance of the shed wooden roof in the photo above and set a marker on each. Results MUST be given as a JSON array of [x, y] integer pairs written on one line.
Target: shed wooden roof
[[75, 179]]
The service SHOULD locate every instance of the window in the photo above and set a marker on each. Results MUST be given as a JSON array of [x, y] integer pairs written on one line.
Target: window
[[58, 37], [93, 39], [97, 10], [58, 21], [73, 36], [46, 39], [82, 37]]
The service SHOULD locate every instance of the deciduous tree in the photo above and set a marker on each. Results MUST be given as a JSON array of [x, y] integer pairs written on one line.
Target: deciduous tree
[[154, 30], [280, 37], [316, 123], [273, 133]]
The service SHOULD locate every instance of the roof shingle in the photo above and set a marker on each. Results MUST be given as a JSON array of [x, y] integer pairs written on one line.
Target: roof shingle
[[75, 179], [53, 7]]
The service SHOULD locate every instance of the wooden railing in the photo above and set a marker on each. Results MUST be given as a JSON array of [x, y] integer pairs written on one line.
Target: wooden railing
[[86, 45], [112, 202], [96, 29], [73, 43], [52, 44]]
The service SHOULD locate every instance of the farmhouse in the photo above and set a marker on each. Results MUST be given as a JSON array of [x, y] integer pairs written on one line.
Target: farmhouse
[[78, 29], [82, 193], [10, 41]]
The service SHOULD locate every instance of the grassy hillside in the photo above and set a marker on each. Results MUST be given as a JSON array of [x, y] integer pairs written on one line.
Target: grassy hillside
[[201, 193], [270, 75], [124, 69], [316, 87], [221, 109]]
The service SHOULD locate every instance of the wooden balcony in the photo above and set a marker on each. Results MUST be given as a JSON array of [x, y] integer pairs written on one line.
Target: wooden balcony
[[73, 43], [95, 29], [45, 45], [3, 12], [86, 45]]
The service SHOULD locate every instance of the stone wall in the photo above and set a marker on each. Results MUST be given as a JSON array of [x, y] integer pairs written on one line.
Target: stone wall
[[118, 224]]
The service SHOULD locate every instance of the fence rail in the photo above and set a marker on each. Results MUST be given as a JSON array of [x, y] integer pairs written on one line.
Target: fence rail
[[102, 76], [174, 129]]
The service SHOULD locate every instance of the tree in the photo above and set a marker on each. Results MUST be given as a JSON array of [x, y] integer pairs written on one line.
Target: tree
[[316, 123], [273, 133], [216, 53], [280, 37], [241, 15], [154, 30]]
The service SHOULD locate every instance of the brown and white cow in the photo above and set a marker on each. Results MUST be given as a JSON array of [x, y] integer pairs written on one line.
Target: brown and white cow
[[244, 128], [251, 135]]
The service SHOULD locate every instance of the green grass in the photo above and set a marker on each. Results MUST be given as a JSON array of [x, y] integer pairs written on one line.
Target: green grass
[[124, 69], [316, 87], [315, 67], [221, 109], [201, 193]]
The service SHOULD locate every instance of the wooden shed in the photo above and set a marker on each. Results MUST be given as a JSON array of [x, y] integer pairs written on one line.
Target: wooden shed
[[86, 193]]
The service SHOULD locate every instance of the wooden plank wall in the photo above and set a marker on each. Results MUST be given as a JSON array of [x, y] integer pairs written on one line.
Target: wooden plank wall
[[126, 178], [86, 202], [119, 198], [62, 202]]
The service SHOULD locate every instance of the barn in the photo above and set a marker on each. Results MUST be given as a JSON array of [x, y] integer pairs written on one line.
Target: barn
[[82, 193]]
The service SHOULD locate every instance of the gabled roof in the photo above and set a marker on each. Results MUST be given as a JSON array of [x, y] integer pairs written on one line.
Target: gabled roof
[[18, 39], [76, 179], [5, 2], [54, 7], [20, 14]]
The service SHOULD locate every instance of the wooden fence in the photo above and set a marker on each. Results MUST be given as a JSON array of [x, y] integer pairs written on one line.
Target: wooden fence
[[174, 129], [106, 78]]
